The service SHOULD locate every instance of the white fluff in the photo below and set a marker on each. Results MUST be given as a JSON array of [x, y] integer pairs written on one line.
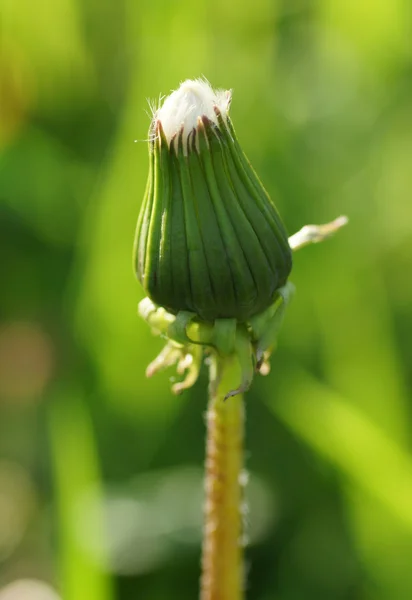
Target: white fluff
[[194, 98]]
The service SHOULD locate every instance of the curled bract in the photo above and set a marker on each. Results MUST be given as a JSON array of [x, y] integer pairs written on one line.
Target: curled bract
[[190, 340]]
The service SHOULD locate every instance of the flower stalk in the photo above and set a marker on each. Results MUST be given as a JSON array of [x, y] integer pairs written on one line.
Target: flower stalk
[[222, 552]]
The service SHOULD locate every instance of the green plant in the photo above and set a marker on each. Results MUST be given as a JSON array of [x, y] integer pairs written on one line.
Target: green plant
[[214, 258]]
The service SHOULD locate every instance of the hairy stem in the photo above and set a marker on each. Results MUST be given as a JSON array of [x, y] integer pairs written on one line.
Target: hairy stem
[[222, 557]]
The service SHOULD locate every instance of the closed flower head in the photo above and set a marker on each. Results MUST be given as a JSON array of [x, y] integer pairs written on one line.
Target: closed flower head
[[209, 240]]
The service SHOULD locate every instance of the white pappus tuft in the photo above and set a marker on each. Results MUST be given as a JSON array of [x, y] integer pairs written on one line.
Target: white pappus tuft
[[193, 99]]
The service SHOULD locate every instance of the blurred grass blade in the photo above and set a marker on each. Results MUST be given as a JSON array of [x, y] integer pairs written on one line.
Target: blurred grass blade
[[76, 473], [352, 442]]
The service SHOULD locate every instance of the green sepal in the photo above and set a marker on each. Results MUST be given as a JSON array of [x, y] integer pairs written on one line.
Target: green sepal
[[244, 354], [267, 330], [224, 336], [177, 330]]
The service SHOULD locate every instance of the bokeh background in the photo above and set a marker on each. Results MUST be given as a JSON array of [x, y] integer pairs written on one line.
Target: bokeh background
[[100, 469]]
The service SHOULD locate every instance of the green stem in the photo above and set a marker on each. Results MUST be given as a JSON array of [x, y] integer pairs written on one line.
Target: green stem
[[222, 556]]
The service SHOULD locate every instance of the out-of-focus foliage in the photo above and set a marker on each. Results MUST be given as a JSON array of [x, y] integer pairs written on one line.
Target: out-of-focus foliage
[[100, 469]]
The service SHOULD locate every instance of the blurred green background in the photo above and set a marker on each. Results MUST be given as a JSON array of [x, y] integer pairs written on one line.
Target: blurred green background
[[100, 469]]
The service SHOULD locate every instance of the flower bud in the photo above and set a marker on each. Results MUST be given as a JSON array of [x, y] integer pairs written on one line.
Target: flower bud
[[208, 240]]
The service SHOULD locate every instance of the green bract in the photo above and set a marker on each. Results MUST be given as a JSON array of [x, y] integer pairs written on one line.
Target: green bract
[[209, 240]]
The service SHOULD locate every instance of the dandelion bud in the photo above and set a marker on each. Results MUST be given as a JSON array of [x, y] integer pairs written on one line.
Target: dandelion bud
[[209, 240]]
